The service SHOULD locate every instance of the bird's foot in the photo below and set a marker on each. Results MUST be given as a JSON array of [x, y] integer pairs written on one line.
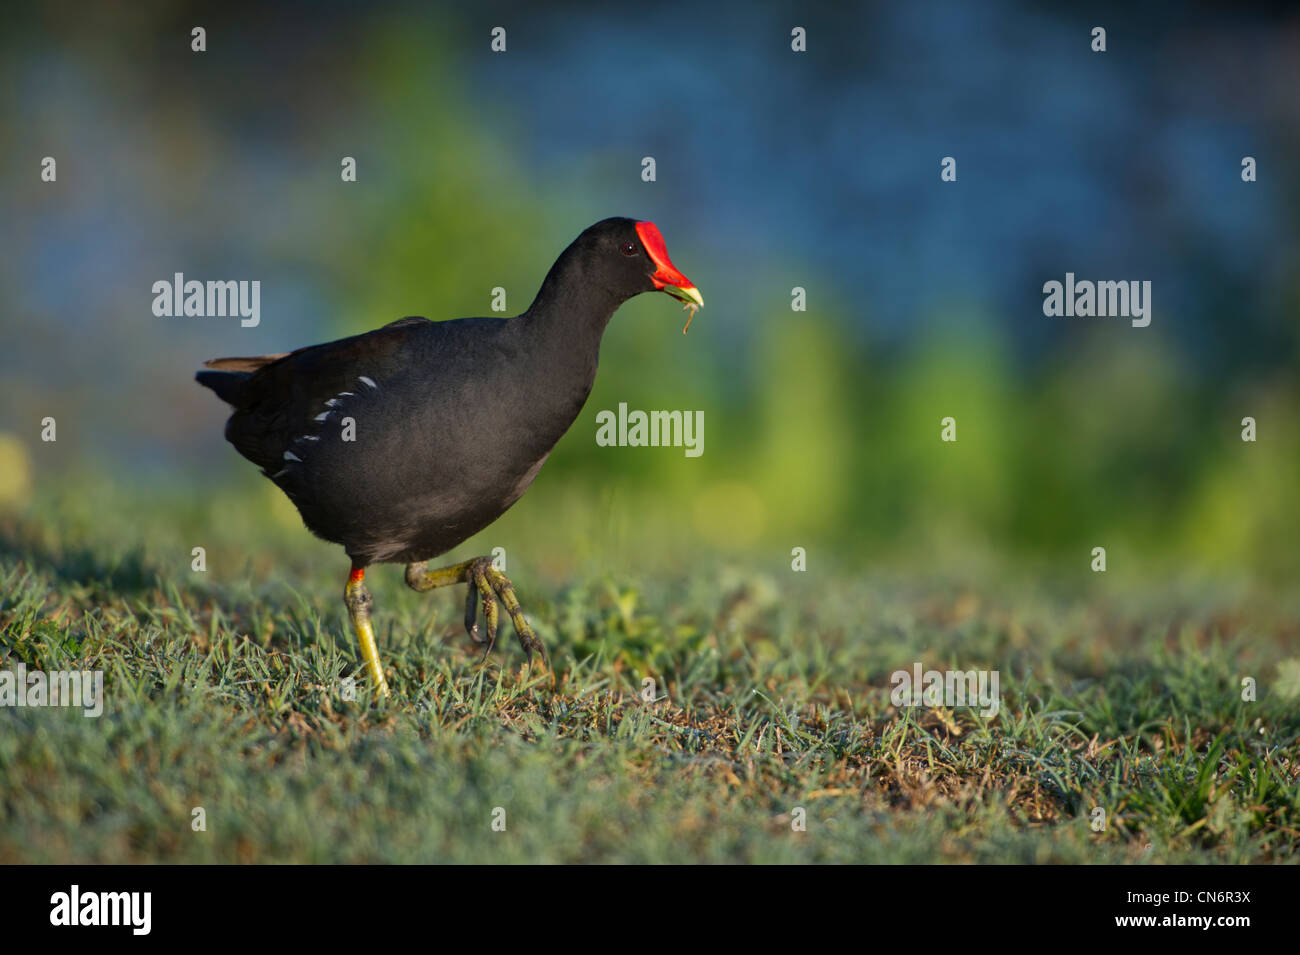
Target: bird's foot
[[493, 588]]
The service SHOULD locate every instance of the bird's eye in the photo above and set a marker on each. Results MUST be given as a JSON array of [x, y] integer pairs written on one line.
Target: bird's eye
[[629, 249]]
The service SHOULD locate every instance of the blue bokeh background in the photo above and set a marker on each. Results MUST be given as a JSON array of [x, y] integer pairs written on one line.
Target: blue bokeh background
[[775, 169]]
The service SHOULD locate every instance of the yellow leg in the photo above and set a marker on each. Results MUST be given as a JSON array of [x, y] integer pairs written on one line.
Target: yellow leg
[[359, 602], [420, 579]]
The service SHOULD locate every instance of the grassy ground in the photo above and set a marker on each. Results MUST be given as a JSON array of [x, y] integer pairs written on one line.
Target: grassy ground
[[224, 691]]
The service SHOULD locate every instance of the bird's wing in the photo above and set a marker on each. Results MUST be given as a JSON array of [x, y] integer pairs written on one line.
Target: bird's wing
[[282, 399]]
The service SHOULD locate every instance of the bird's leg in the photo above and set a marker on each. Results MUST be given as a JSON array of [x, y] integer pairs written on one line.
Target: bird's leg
[[419, 578], [490, 584], [359, 602]]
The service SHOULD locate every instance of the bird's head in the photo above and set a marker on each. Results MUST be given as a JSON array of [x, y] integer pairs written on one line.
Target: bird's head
[[633, 256]]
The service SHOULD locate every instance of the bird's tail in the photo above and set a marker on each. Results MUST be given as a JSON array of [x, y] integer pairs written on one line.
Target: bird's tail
[[229, 375], [228, 385]]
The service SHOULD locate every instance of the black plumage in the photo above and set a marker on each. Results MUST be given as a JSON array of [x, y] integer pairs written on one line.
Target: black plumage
[[401, 443]]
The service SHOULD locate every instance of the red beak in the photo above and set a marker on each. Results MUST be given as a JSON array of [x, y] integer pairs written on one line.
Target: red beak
[[666, 276]]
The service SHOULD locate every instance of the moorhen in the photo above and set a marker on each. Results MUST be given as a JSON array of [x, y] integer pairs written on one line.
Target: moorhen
[[402, 442]]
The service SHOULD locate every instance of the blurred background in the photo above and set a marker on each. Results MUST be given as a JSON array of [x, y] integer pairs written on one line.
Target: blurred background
[[775, 169]]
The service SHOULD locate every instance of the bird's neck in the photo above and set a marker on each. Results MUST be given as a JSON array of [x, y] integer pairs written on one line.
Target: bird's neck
[[568, 317], [560, 336]]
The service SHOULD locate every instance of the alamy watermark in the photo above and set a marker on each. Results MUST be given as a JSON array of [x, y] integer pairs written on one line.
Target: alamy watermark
[[208, 299], [920, 687], [1086, 299], [651, 429], [75, 907], [83, 688]]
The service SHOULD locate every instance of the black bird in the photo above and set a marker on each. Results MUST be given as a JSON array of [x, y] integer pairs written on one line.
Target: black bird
[[403, 442]]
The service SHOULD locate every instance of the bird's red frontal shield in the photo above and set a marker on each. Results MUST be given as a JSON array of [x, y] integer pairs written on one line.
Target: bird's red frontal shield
[[666, 273], [666, 277]]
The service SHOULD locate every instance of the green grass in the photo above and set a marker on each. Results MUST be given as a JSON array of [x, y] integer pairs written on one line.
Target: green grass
[[224, 692]]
